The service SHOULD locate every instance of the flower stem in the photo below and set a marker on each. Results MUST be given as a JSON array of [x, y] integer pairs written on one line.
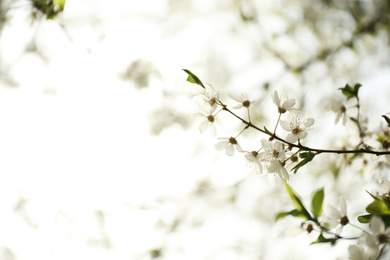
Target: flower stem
[[276, 126]]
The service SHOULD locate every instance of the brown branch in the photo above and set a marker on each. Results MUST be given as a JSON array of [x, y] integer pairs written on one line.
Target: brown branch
[[300, 146]]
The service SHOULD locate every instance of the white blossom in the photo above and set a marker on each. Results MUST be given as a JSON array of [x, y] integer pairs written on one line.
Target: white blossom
[[383, 190], [228, 143], [297, 127], [337, 217], [210, 97], [338, 107], [207, 122], [283, 103], [357, 252], [274, 156], [242, 100], [378, 236], [253, 158]]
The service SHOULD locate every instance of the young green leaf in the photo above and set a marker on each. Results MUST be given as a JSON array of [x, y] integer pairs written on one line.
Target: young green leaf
[[347, 91], [365, 218], [322, 239], [297, 202], [378, 206], [387, 120], [316, 202], [350, 92], [294, 213], [307, 157], [193, 78]]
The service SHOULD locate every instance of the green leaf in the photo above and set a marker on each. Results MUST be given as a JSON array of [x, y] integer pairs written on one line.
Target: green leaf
[[322, 239], [316, 202], [297, 202], [365, 218], [294, 213], [307, 157], [193, 78], [356, 88], [350, 92], [387, 120], [347, 91], [49, 7], [378, 206]]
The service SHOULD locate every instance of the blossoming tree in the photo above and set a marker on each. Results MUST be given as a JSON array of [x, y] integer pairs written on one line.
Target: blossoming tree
[[283, 156]]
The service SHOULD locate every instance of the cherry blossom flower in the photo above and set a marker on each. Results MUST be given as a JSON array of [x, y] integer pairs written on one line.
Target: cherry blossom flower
[[207, 122], [337, 218], [384, 189], [228, 143], [338, 107], [379, 234], [243, 100], [357, 252], [297, 127], [283, 103], [210, 97], [253, 158], [274, 156]]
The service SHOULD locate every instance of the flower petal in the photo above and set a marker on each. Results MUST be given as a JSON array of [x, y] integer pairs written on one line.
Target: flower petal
[[229, 150], [276, 99]]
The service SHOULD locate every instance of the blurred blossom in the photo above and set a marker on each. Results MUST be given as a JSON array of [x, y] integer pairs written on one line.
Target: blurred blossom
[[228, 143], [338, 107], [207, 122], [242, 100], [337, 217], [357, 252], [379, 234], [383, 191]]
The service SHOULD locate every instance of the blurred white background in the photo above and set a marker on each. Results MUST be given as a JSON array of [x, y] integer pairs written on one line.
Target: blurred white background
[[101, 156]]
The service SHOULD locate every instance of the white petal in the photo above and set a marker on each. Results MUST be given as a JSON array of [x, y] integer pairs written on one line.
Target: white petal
[[355, 252], [376, 225], [284, 173], [278, 146], [236, 97], [221, 145], [203, 125], [302, 134], [259, 167], [238, 106], [276, 99], [343, 206], [291, 138], [344, 118], [213, 130], [333, 213], [309, 122], [273, 166], [286, 125], [229, 150], [289, 103], [238, 147]]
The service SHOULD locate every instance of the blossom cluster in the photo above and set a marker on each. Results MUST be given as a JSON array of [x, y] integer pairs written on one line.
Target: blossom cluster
[[272, 155], [280, 154]]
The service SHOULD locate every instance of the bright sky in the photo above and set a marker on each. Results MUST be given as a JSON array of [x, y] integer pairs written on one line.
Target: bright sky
[[82, 174]]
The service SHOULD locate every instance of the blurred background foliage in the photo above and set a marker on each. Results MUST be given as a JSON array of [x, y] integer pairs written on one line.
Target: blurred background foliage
[[305, 49]]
